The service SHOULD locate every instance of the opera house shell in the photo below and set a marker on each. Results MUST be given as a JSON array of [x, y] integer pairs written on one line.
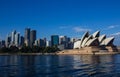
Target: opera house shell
[[95, 42]]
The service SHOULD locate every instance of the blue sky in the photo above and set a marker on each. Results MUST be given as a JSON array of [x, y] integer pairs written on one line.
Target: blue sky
[[62, 17]]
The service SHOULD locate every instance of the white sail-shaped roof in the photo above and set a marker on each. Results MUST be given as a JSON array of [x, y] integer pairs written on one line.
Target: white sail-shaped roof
[[92, 42], [101, 38], [86, 40], [83, 37], [96, 34], [107, 41]]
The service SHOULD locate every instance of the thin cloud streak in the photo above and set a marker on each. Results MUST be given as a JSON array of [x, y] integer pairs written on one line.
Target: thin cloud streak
[[79, 29], [75, 28], [116, 34], [112, 27]]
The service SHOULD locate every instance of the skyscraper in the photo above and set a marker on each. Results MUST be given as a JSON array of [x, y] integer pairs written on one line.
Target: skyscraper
[[8, 41], [13, 37], [48, 43], [44, 41], [27, 37], [17, 39], [32, 37], [21, 41], [36, 43], [41, 43], [63, 41], [2, 43], [54, 40]]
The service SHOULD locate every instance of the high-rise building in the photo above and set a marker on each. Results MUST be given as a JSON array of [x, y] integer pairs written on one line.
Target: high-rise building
[[68, 39], [70, 43], [32, 37], [2, 43], [40, 43], [21, 41], [54, 40], [13, 38], [63, 41], [44, 41], [8, 41], [27, 37], [36, 43], [48, 43], [17, 39]]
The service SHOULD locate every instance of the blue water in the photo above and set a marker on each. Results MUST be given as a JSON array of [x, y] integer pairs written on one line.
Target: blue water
[[60, 66]]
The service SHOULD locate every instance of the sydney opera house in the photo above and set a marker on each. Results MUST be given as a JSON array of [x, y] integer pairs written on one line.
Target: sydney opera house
[[95, 43]]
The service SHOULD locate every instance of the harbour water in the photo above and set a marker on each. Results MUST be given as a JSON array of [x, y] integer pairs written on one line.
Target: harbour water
[[60, 66]]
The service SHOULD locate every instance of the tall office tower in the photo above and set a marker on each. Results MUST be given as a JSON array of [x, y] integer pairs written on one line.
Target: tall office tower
[[48, 43], [54, 40], [32, 37], [17, 39], [21, 41], [2, 43], [70, 43], [27, 37], [68, 39], [63, 41], [36, 43], [13, 38], [44, 41], [41, 42], [8, 41]]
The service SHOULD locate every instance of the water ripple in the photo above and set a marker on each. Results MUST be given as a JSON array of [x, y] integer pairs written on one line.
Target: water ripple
[[60, 66]]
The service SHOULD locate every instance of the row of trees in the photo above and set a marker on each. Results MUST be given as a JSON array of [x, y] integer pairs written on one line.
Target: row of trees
[[26, 49]]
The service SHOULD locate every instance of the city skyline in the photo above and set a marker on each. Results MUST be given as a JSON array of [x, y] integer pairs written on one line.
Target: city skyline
[[15, 39], [62, 17]]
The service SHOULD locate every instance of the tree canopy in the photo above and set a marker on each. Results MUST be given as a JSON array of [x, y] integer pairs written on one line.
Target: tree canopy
[[27, 49]]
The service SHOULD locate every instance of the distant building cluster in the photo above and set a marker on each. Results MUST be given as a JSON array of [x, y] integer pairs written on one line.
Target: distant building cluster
[[30, 39]]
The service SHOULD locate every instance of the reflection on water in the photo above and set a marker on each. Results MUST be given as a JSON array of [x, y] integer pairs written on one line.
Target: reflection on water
[[60, 66]]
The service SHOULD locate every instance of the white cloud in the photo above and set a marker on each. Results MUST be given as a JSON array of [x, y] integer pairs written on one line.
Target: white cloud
[[79, 29], [112, 26], [115, 34]]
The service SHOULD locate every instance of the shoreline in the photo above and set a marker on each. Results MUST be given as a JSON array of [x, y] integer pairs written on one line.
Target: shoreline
[[97, 53], [89, 52], [2, 54], [65, 52], [69, 52]]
